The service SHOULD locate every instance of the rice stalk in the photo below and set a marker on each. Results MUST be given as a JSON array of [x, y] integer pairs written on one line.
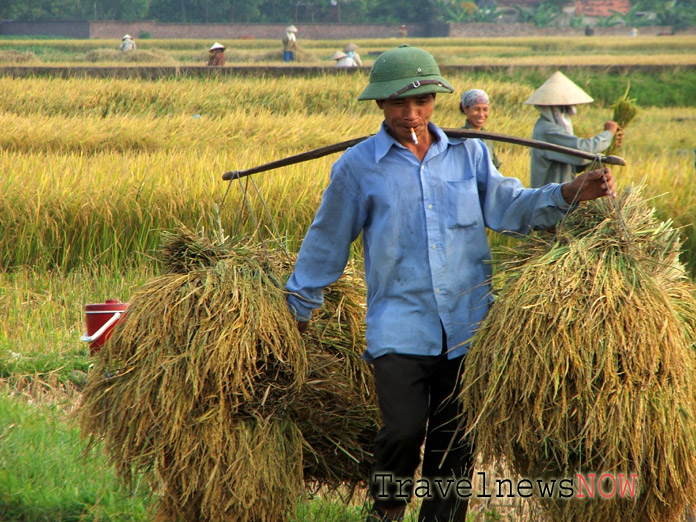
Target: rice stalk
[[624, 112]]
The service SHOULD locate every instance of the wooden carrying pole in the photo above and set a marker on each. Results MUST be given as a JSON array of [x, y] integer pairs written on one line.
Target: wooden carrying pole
[[453, 133]]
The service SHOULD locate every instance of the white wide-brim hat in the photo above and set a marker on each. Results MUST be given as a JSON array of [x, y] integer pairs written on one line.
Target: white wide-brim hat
[[126, 36], [291, 29], [559, 90], [216, 45], [338, 55]]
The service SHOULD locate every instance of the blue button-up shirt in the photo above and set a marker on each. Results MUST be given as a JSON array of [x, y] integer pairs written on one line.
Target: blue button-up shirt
[[424, 238]]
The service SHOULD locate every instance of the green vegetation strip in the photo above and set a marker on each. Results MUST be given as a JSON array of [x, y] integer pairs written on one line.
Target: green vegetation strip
[[44, 476]]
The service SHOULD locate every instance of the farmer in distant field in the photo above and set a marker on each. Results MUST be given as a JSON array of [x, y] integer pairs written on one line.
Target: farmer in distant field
[[216, 55], [351, 51], [127, 43], [476, 105], [289, 44], [342, 59], [422, 202], [556, 101]]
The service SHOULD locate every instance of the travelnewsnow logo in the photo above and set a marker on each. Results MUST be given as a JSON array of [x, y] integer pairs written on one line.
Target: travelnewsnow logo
[[581, 486]]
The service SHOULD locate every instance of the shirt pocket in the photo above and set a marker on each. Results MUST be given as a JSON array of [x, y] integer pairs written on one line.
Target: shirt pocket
[[463, 204]]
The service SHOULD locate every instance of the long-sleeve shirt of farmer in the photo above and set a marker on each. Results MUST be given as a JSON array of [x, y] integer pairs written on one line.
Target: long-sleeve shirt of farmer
[[554, 167], [424, 238]]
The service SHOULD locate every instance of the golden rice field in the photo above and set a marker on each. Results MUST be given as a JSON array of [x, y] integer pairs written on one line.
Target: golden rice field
[[604, 50], [95, 169]]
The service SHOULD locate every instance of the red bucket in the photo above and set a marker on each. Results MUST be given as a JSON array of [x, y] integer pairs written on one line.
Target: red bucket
[[101, 319]]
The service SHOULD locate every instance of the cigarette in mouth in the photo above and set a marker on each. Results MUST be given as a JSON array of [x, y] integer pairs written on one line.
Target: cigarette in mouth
[[413, 136]]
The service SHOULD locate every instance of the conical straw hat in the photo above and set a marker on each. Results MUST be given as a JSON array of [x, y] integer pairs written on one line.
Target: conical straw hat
[[338, 55], [216, 45], [291, 29], [350, 47], [559, 90]]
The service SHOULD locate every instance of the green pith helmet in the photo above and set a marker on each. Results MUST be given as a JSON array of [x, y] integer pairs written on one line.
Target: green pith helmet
[[404, 71]]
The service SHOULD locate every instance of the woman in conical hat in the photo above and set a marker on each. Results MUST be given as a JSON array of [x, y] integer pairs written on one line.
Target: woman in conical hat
[[127, 43], [289, 44], [556, 101], [343, 59], [216, 56], [350, 50], [338, 55]]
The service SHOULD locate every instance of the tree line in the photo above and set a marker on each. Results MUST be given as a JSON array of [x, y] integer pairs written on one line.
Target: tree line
[[676, 13]]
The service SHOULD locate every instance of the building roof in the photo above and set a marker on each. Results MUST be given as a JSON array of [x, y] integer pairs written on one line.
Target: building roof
[[582, 7], [601, 7]]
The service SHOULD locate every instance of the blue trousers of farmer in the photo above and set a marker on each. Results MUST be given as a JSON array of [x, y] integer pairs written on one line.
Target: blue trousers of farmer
[[288, 56], [418, 401]]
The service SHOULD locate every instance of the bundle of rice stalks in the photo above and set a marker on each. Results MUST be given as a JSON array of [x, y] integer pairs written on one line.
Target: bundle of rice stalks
[[624, 112], [12, 56], [184, 250], [585, 364], [208, 388], [136, 56], [275, 55], [337, 412]]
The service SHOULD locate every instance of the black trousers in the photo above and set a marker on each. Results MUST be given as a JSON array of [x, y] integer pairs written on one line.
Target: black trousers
[[417, 399]]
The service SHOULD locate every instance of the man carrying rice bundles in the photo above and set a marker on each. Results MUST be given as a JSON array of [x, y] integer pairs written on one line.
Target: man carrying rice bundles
[[422, 202]]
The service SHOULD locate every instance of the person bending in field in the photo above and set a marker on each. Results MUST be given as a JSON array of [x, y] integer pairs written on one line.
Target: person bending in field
[[127, 43], [216, 55], [421, 202], [351, 52]]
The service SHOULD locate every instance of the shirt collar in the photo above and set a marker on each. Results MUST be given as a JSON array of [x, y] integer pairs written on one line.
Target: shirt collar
[[384, 141]]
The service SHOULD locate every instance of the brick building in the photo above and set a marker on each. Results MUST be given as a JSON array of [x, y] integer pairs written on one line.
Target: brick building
[[597, 8], [593, 8]]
